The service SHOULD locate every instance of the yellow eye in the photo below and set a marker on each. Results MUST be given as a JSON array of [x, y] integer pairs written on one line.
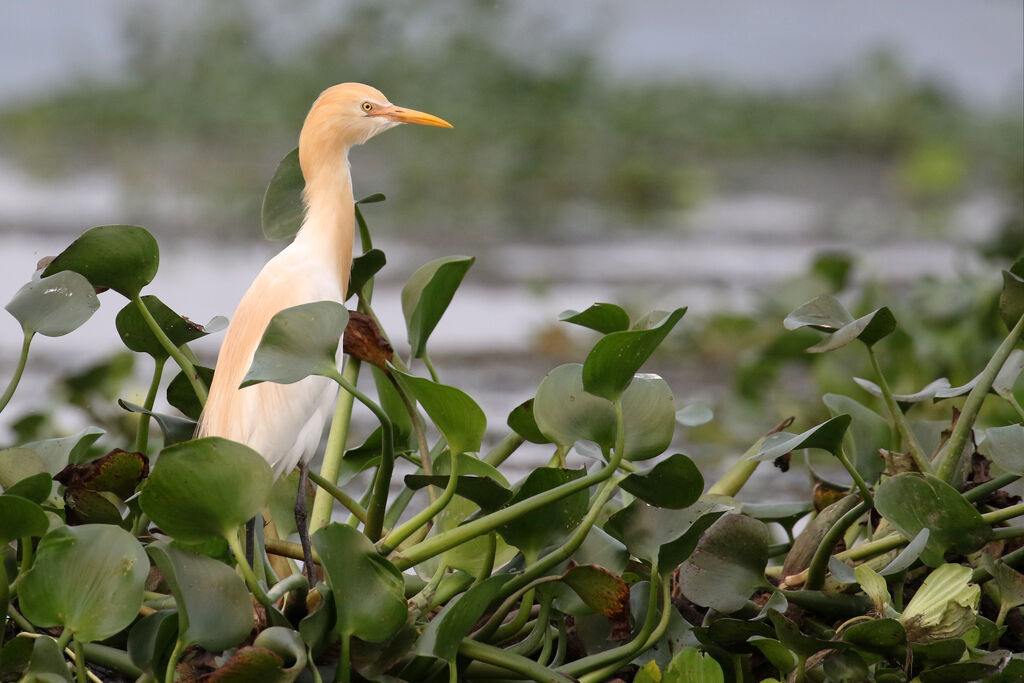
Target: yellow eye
[[367, 106]]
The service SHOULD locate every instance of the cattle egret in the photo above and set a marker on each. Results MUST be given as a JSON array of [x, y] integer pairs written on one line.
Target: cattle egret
[[284, 422]]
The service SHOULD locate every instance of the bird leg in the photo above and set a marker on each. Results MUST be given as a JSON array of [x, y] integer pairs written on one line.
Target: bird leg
[[301, 526]]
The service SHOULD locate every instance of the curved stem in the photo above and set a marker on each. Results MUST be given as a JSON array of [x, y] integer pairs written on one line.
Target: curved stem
[[382, 482], [899, 419], [247, 573], [348, 501], [1003, 514], [18, 370], [819, 563], [80, 671], [506, 447], [985, 488], [173, 351], [873, 548], [142, 431], [948, 459], [487, 566], [865, 492], [334, 451], [404, 531], [511, 662]]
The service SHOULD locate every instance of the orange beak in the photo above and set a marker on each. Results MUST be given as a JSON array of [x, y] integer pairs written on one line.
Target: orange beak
[[403, 115]]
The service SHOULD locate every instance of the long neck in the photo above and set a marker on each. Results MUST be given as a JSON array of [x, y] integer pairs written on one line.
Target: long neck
[[329, 226]]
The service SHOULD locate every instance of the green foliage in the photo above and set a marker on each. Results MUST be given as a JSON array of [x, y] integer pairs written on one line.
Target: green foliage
[[453, 571]]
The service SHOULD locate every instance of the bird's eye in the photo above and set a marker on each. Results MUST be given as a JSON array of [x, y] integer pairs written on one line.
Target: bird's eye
[[367, 106]]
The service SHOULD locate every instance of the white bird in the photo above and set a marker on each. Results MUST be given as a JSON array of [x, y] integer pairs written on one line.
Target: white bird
[[284, 422]]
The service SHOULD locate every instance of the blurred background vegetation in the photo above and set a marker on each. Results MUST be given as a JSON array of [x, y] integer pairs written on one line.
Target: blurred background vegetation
[[556, 145]]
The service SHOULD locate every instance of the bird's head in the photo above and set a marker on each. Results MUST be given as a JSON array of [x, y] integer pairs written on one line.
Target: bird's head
[[350, 114]]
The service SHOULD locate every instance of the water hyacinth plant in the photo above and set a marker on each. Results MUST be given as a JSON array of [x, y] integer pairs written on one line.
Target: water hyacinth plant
[[125, 561]]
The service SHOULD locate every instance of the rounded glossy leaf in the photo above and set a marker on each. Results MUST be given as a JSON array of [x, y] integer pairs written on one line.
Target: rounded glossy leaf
[[611, 364], [565, 413], [1011, 299], [282, 211], [206, 488], [20, 517], [673, 483], [828, 436], [693, 666], [151, 640], [824, 313], [214, 606], [369, 592], [364, 267], [549, 524], [57, 453], [287, 644], [137, 336], [649, 417], [668, 536], [868, 432], [523, 423], [870, 329], [1005, 445], [879, 635], [728, 564], [54, 305], [604, 318], [457, 416], [299, 341], [18, 464], [694, 414], [175, 429], [426, 296], [89, 579], [600, 589], [124, 258], [47, 664], [36, 487], [912, 502]]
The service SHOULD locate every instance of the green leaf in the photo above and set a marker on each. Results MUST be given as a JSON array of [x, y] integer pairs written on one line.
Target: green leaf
[[938, 389], [908, 556], [251, 664], [443, 634], [1009, 580], [124, 258], [299, 341], [1005, 446], [790, 636], [363, 268], [694, 414], [57, 453], [806, 544], [523, 423], [426, 296], [823, 313], [182, 396], [648, 673], [668, 536], [287, 644], [912, 502], [874, 586], [566, 413], [368, 591], [611, 364], [19, 463], [845, 667], [549, 524], [1011, 299], [137, 336], [88, 579], [282, 211], [1008, 375], [19, 518], [54, 305], [870, 329], [488, 494], [879, 636], [690, 665], [47, 664], [728, 564], [604, 318], [206, 488], [36, 487], [150, 641], [459, 419], [175, 429], [868, 432], [214, 606], [776, 653], [828, 436], [672, 483]]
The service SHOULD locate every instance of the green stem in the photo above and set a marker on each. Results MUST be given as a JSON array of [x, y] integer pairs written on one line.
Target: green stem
[[597, 667], [738, 474], [183, 362], [951, 453], [511, 628], [873, 548], [819, 563], [286, 585], [1012, 400], [5, 600], [18, 370], [981, 574], [985, 488], [523, 666], [344, 673], [865, 492], [504, 449], [64, 638], [382, 482], [335, 450], [535, 638], [1005, 532], [142, 431], [1003, 514], [899, 419], [464, 532], [110, 658], [247, 573], [80, 672], [21, 621], [487, 566], [348, 501], [404, 531], [172, 663], [430, 368]]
